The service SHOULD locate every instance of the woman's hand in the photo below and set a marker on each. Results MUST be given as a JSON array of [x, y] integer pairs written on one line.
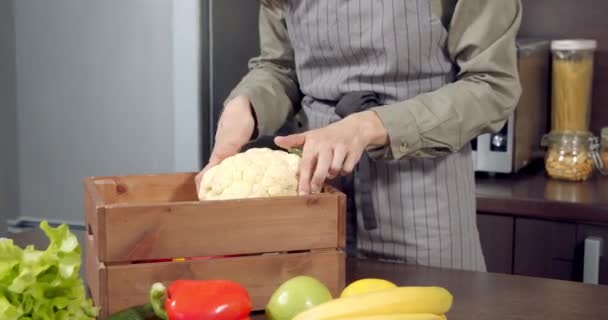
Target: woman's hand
[[335, 149], [235, 127]]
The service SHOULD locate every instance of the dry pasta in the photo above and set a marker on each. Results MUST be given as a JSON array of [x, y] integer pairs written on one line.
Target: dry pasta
[[572, 85]]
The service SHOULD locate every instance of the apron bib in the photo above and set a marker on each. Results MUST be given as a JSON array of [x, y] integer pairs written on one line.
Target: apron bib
[[424, 208]]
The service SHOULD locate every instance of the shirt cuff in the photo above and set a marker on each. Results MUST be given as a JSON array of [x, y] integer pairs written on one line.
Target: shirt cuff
[[403, 133]]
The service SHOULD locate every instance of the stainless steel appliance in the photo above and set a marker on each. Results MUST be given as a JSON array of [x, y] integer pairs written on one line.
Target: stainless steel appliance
[[518, 143]]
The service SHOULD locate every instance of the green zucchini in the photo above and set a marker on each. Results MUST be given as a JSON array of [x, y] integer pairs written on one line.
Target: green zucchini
[[142, 312]]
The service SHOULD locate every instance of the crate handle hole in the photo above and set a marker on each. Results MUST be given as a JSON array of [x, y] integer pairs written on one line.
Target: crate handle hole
[[89, 230]]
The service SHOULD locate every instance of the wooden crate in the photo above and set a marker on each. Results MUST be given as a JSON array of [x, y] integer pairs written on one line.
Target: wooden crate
[[133, 220]]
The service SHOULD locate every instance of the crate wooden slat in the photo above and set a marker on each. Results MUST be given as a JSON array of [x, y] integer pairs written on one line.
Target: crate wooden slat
[[95, 270], [138, 218], [129, 284], [167, 231], [154, 188], [97, 277]]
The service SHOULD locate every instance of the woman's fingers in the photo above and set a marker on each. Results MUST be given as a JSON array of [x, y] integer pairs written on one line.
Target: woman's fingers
[[324, 161], [197, 180], [235, 128], [291, 141], [221, 151], [327, 152], [339, 155], [351, 161], [307, 166]]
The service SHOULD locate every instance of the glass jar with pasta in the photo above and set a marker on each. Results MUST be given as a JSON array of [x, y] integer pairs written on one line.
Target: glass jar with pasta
[[569, 155], [604, 151], [572, 84]]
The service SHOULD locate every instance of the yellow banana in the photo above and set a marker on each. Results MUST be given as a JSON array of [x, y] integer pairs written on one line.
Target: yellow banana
[[401, 316], [434, 300]]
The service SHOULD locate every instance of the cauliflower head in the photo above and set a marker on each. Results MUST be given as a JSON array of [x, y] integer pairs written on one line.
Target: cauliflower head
[[255, 173]]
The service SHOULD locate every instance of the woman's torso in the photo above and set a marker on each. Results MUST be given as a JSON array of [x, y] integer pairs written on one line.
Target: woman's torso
[[425, 208], [394, 48]]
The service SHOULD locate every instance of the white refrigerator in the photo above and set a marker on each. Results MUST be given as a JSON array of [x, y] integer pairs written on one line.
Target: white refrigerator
[[118, 87]]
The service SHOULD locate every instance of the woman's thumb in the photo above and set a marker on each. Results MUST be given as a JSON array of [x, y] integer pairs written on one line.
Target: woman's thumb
[[291, 141]]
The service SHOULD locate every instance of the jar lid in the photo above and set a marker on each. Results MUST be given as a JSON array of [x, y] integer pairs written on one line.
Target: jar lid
[[573, 44], [570, 134], [564, 136]]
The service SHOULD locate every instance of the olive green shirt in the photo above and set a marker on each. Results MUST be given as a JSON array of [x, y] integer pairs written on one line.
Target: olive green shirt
[[481, 42]]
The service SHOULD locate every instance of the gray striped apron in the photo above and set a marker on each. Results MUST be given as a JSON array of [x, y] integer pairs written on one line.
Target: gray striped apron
[[424, 208]]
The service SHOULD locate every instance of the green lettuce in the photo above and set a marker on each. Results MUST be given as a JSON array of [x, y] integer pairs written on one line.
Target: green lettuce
[[43, 285]]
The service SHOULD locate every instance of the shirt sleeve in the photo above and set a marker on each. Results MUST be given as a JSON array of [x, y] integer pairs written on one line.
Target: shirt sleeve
[[481, 41], [271, 83]]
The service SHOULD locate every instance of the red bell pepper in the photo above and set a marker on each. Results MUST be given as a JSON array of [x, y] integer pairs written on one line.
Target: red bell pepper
[[201, 300]]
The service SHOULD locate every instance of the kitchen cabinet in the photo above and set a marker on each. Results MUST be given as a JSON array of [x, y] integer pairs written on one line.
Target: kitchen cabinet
[[585, 231], [550, 219], [540, 248], [496, 235], [544, 248]]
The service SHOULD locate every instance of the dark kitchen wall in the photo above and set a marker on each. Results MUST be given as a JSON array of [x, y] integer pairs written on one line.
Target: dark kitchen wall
[[560, 19], [233, 39]]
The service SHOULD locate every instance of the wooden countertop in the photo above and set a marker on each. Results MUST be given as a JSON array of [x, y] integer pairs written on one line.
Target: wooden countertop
[[476, 295], [531, 193]]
